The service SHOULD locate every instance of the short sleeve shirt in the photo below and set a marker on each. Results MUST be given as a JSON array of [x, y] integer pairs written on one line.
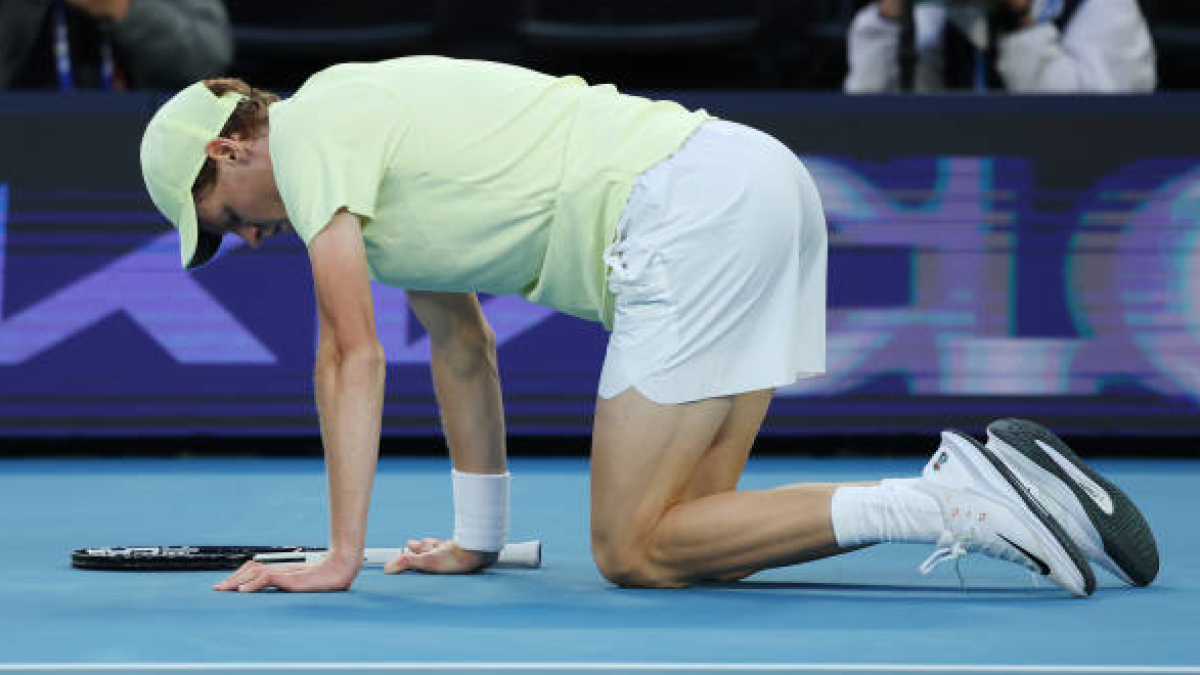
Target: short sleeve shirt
[[472, 176]]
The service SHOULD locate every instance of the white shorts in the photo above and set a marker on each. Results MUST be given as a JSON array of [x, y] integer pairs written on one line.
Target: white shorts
[[718, 272]]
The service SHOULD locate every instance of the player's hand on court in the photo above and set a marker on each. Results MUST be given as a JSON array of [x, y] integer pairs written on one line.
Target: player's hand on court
[[327, 575], [439, 557]]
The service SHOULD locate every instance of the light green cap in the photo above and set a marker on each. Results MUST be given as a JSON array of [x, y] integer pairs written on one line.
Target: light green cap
[[172, 155]]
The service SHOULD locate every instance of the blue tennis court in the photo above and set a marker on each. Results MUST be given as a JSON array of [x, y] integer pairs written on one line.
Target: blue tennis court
[[977, 253], [867, 611]]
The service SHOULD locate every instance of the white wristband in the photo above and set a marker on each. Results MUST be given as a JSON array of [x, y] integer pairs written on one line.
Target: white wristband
[[480, 510]]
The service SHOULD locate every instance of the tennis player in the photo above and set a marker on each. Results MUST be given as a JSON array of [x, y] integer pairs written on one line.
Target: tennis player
[[701, 245]]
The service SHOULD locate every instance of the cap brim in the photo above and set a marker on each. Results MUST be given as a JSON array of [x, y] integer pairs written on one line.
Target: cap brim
[[196, 247], [207, 246]]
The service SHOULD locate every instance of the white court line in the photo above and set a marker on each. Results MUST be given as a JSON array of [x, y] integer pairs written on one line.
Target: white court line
[[596, 667]]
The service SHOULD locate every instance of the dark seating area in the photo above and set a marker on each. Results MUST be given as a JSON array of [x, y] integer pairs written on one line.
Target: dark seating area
[[280, 48], [647, 44], [708, 44], [1175, 26]]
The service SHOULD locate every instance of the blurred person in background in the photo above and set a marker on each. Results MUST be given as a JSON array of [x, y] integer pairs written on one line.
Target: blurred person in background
[[112, 44], [1023, 46]]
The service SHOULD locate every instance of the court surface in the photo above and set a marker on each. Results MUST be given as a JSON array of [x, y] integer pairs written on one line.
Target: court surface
[[869, 611]]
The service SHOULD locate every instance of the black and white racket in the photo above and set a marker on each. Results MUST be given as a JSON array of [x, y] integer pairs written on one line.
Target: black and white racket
[[527, 554]]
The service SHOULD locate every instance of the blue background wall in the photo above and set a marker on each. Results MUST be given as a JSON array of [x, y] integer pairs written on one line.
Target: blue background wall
[[989, 256]]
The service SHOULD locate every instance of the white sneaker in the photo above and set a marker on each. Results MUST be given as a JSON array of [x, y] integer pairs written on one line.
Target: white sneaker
[[1103, 522], [986, 510]]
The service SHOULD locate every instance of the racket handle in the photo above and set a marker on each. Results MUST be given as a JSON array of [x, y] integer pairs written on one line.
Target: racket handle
[[525, 554]]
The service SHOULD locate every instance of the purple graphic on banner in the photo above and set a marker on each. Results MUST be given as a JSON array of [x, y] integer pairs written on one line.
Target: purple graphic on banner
[[1135, 275], [958, 234], [148, 287]]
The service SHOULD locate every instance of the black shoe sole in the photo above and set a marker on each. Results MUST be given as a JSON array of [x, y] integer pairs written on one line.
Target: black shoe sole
[[1125, 534], [1064, 540]]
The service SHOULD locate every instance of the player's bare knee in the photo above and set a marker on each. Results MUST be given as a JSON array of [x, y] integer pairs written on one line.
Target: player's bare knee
[[632, 573], [631, 567]]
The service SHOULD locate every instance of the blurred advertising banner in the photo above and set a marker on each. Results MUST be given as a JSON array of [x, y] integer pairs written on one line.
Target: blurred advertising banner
[[989, 256]]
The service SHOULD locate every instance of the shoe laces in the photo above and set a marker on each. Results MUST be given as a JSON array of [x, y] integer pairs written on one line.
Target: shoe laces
[[942, 554], [953, 546]]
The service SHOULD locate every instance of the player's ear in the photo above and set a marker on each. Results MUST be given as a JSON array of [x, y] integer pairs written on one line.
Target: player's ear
[[226, 149], [218, 149]]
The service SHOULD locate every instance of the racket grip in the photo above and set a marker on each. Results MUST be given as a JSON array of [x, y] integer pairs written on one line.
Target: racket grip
[[525, 555]]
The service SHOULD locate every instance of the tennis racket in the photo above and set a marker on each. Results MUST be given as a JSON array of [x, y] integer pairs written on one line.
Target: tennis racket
[[526, 555]]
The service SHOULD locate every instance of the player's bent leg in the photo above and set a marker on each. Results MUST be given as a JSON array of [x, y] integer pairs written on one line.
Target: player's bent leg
[[721, 466], [643, 458], [645, 532]]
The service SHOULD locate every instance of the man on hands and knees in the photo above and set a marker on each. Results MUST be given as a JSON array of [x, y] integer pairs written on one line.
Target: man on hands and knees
[[701, 245]]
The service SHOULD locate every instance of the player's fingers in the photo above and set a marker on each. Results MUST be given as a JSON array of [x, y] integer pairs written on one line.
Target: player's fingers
[[241, 577], [433, 562], [259, 581], [249, 573], [225, 584], [422, 545], [398, 564], [232, 581]]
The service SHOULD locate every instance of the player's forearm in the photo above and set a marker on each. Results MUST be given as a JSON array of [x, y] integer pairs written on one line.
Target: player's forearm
[[467, 382], [350, 390]]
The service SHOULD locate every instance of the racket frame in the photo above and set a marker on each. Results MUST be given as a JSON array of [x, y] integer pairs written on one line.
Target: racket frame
[[525, 555]]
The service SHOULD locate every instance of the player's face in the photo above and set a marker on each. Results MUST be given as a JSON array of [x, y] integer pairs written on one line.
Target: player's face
[[244, 199]]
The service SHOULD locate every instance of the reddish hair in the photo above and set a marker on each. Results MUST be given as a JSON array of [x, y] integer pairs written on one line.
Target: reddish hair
[[249, 120]]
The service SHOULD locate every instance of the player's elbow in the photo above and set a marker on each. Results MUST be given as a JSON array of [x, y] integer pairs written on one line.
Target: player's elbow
[[366, 356]]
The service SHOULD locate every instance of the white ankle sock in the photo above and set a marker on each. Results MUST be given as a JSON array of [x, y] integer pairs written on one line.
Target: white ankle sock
[[893, 511]]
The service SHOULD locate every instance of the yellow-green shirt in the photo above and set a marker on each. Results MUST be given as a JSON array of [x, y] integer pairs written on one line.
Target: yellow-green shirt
[[472, 176]]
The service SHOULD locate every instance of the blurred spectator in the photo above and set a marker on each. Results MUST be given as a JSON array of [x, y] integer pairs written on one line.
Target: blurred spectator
[[112, 44], [1044, 46]]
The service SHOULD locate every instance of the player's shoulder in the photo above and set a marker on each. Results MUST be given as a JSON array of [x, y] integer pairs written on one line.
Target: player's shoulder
[[382, 76]]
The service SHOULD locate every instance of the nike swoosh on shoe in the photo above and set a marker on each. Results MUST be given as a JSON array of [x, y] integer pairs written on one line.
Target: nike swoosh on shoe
[[1042, 566]]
